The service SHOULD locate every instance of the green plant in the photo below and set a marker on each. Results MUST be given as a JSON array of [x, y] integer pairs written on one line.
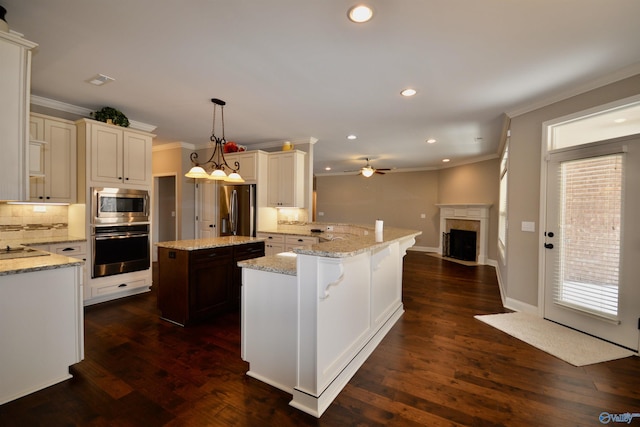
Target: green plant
[[111, 113]]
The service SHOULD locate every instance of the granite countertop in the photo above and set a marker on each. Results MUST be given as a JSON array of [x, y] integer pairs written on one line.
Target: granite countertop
[[214, 242], [35, 241], [342, 246], [284, 263], [36, 263]]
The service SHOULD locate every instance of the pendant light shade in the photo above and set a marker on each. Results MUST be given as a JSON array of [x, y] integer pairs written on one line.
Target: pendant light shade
[[216, 162]]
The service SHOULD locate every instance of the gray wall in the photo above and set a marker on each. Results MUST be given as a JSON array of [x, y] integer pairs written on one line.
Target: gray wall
[[400, 198], [176, 161], [520, 274]]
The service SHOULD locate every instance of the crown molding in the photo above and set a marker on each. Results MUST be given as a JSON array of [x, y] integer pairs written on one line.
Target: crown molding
[[595, 84], [173, 145], [81, 111]]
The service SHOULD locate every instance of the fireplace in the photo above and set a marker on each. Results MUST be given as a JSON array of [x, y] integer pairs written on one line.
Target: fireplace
[[460, 244], [469, 225]]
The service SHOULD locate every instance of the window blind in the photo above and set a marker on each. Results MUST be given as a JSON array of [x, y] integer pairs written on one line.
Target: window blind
[[587, 273]]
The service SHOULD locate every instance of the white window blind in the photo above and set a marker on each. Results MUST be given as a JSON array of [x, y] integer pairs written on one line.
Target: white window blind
[[590, 210], [502, 211]]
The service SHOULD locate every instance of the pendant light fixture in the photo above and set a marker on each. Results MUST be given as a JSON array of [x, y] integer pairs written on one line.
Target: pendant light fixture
[[217, 161]]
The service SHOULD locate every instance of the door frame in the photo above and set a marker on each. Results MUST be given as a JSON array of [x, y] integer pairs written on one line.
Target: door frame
[[155, 223], [547, 130]]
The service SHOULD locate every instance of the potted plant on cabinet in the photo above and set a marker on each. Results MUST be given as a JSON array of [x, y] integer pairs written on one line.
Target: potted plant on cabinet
[[112, 116]]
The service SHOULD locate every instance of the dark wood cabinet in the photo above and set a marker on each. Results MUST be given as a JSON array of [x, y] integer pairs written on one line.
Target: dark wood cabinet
[[197, 284]]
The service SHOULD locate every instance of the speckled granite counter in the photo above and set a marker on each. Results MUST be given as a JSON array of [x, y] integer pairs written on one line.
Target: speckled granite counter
[[332, 245], [34, 241], [214, 242], [36, 263], [284, 263]]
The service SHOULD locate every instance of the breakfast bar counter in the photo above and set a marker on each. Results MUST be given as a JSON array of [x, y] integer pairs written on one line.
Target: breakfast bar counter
[[311, 317]]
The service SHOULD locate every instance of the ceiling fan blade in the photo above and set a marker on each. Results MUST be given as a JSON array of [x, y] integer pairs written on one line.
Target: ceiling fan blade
[[378, 171], [383, 169]]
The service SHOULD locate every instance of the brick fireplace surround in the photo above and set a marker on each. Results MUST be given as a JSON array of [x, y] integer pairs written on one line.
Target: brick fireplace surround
[[472, 217]]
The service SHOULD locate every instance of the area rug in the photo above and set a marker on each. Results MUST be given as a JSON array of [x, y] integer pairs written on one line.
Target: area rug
[[564, 343]]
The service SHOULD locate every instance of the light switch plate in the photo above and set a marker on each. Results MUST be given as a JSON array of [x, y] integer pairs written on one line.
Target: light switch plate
[[529, 226]]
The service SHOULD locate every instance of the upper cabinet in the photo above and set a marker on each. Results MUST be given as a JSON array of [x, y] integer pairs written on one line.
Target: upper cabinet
[[115, 155], [52, 159], [250, 162], [286, 179], [15, 90]]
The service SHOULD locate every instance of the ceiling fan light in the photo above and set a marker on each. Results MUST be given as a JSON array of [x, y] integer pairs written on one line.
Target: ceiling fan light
[[367, 171], [197, 172]]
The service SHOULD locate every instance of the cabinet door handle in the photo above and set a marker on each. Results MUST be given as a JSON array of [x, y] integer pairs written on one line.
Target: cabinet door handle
[[123, 285], [67, 249]]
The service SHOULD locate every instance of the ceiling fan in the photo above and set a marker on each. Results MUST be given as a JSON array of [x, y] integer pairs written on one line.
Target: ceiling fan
[[369, 170]]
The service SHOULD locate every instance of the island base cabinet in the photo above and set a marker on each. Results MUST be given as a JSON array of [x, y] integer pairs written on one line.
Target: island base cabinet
[[309, 334], [197, 284], [41, 329], [269, 327]]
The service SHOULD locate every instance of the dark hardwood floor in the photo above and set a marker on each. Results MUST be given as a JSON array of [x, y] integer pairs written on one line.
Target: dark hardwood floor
[[438, 366]]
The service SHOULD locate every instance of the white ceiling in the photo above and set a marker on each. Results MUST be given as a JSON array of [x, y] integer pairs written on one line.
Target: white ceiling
[[292, 69]]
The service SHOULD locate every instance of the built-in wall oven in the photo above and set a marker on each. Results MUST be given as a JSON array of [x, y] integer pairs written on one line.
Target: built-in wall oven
[[119, 231], [120, 249]]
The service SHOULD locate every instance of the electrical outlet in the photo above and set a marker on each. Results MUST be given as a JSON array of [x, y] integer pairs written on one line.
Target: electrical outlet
[[423, 216], [39, 208], [329, 227]]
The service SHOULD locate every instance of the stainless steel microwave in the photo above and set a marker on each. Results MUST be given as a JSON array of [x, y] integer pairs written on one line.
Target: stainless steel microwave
[[119, 205]]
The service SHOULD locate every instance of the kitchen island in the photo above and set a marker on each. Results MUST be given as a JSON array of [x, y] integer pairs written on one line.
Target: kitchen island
[[199, 278], [312, 317], [41, 322]]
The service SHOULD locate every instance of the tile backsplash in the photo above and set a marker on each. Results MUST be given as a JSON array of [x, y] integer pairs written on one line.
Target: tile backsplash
[[25, 221]]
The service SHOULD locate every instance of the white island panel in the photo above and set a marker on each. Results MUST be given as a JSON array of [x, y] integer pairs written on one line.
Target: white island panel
[[41, 329]]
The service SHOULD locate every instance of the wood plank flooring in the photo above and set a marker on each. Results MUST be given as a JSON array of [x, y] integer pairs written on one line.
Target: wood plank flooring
[[438, 366]]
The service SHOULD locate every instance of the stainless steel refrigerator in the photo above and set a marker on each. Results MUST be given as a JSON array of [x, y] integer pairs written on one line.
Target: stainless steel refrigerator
[[237, 210]]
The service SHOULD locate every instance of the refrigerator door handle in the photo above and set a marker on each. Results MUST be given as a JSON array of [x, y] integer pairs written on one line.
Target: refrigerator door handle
[[233, 214]]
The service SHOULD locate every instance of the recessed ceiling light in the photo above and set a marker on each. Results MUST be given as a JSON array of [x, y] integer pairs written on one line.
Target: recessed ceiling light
[[408, 92], [327, 168], [99, 80], [446, 160], [431, 141], [351, 136], [620, 120], [360, 13]]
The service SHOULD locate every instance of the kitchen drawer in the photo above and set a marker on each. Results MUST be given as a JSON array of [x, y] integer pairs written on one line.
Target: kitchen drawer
[[111, 288], [74, 250], [272, 238], [248, 251], [300, 240], [208, 255]]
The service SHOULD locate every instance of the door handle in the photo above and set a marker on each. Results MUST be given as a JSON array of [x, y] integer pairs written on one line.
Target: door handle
[[548, 245]]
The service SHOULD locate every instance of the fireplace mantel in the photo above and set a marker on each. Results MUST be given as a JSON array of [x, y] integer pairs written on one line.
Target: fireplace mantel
[[470, 212]]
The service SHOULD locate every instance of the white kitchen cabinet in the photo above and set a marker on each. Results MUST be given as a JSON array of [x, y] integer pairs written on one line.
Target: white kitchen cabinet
[[115, 155], [273, 244], [52, 160], [15, 90], [76, 250], [286, 179], [292, 241], [250, 162]]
